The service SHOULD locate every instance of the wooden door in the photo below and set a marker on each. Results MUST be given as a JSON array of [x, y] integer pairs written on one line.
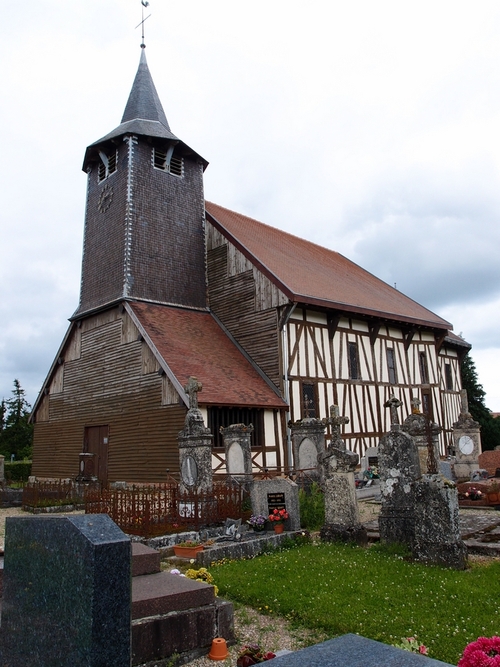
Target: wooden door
[[96, 442]]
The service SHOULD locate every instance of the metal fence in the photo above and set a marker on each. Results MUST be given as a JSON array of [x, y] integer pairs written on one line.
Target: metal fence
[[149, 511], [51, 493]]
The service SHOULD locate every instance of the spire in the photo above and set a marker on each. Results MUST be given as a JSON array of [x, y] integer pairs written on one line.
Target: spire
[[143, 102]]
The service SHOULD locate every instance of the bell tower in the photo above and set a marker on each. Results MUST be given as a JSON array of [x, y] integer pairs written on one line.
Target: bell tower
[[144, 219]]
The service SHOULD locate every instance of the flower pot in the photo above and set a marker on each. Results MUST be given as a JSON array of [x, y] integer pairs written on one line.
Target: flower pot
[[187, 552], [219, 649], [259, 529], [279, 528], [493, 498]]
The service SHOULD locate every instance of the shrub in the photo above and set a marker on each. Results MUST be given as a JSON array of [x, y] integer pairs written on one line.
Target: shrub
[[312, 507], [17, 471]]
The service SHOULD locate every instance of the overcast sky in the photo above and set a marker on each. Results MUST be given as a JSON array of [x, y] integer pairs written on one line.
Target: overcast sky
[[372, 128]]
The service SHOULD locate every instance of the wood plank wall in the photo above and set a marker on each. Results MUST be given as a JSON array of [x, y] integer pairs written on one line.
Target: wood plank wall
[[112, 382]]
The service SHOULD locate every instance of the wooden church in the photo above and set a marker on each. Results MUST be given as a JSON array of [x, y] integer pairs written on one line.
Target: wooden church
[[274, 327]]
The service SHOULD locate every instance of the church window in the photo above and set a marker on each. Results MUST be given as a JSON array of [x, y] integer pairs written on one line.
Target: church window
[[391, 365], [448, 377], [309, 400], [353, 361], [107, 165], [223, 417], [424, 369], [168, 161]]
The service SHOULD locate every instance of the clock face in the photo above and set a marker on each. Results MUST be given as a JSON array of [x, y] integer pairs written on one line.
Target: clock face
[[466, 445], [105, 199]]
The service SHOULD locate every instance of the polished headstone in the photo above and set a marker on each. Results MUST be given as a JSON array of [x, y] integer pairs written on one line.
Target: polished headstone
[[355, 651], [67, 593]]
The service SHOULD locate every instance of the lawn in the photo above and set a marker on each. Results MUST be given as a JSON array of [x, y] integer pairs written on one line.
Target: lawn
[[373, 592]]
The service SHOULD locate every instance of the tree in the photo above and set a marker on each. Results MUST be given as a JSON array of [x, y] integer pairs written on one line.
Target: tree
[[490, 427], [16, 432]]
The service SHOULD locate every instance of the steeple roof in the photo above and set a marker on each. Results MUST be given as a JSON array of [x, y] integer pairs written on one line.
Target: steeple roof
[[143, 114]]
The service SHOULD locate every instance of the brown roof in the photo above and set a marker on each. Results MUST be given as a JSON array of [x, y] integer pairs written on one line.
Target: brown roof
[[308, 273], [192, 343]]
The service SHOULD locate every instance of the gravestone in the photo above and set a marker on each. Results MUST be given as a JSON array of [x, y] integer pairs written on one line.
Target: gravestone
[[237, 444], [369, 459], [277, 493], [437, 539], [66, 599], [425, 434], [195, 446], [490, 461], [308, 443], [466, 441], [399, 467], [355, 651], [337, 474]]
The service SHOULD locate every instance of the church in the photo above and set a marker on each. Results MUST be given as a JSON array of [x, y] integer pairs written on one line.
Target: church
[[274, 327]]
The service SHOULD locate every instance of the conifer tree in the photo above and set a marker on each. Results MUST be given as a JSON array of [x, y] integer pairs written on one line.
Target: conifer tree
[[490, 427], [16, 432]]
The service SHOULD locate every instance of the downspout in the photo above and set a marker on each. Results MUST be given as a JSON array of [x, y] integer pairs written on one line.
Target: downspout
[[286, 391]]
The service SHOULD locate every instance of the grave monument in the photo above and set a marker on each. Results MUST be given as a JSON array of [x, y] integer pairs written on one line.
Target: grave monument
[[277, 493], [195, 446], [237, 445], [308, 443], [399, 467], [421, 428], [337, 479], [466, 442], [67, 596]]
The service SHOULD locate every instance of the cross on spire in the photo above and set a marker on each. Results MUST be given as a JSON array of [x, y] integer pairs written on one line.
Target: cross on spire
[[144, 3], [393, 404], [192, 388]]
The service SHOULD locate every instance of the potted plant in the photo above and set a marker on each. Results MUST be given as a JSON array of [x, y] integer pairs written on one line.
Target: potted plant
[[493, 493], [278, 518], [257, 522], [187, 549]]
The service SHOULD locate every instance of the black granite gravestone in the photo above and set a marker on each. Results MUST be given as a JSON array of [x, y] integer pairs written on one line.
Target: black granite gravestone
[[67, 592]]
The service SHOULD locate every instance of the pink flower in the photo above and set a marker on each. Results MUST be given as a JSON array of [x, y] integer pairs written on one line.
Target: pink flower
[[422, 649]]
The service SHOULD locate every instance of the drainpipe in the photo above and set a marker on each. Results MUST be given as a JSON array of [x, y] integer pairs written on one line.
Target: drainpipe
[[286, 391]]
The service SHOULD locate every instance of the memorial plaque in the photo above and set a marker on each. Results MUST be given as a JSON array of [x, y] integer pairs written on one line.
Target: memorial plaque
[[373, 461], [275, 501]]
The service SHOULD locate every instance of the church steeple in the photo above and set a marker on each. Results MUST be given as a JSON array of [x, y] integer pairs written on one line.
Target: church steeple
[[144, 223]]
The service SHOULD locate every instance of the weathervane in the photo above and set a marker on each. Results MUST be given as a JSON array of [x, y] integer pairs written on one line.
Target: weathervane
[[144, 3]]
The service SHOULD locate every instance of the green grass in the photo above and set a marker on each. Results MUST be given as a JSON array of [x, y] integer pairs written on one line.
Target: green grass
[[373, 592]]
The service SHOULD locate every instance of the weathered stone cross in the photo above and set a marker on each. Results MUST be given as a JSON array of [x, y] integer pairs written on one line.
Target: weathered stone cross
[[336, 421], [393, 403], [464, 402], [192, 388]]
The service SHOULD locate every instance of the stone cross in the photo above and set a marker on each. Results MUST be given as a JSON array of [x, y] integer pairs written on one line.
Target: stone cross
[[335, 421], [393, 403], [192, 388], [415, 405]]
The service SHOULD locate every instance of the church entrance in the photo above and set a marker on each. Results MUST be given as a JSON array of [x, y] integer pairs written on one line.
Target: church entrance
[[96, 442]]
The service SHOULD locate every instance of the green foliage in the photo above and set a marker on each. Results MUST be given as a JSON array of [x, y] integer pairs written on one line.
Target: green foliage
[[340, 588], [312, 507], [16, 433], [17, 471], [490, 427]]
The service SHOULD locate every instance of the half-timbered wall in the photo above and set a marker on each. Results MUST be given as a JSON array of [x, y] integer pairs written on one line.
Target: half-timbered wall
[[359, 370], [107, 376], [245, 301]]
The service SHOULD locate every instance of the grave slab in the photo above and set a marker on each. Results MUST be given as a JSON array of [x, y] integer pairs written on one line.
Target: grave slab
[[66, 598], [163, 593], [355, 651]]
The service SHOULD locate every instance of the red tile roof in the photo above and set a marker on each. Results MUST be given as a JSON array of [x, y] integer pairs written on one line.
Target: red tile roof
[[192, 343], [310, 274]]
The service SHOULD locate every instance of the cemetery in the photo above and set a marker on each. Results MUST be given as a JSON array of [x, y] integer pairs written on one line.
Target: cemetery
[[105, 588]]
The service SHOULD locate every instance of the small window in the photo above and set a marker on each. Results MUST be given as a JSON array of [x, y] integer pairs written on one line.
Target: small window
[[424, 369], [353, 361], [107, 165], [309, 402], [448, 377], [427, 403], [168, 161], [223, 417], [391, 365]]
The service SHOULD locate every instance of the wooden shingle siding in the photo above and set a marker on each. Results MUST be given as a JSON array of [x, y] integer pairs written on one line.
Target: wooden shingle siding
[[254, 324], [112, 383]]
